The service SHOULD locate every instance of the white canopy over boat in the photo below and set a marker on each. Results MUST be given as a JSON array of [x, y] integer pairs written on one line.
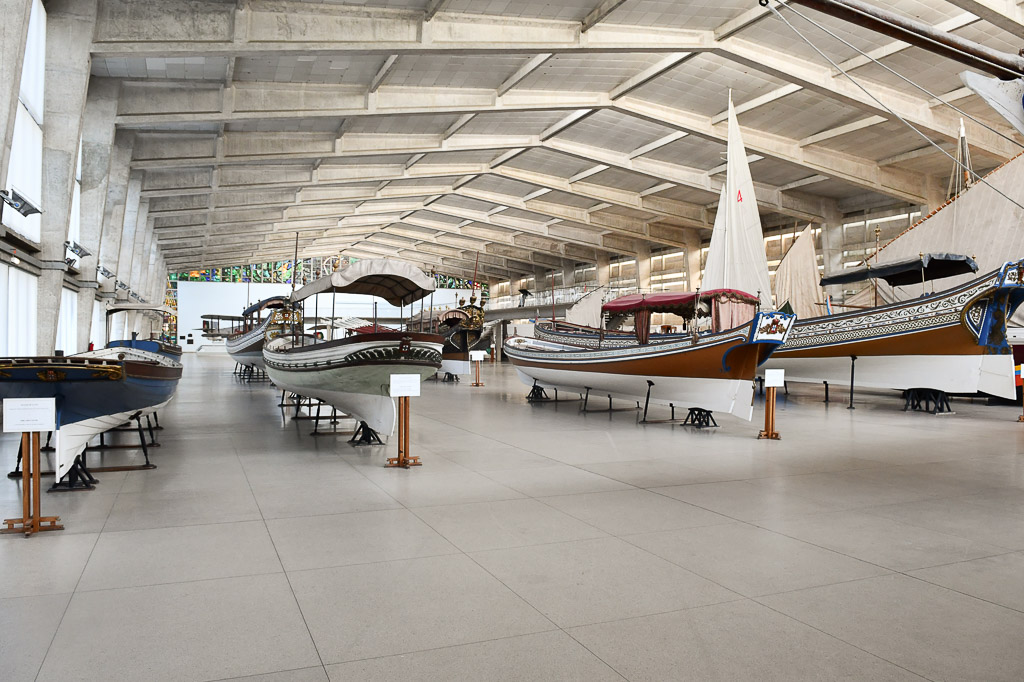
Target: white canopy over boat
[[736, 257], [397, 282]]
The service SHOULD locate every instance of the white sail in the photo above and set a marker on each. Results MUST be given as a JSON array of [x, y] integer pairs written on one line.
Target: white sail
[[796, 279], [587, 310], [736, 258], [979, 223]]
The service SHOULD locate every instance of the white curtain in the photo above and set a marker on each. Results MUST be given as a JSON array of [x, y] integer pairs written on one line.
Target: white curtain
[[67, 322], [98, 333], [19, 337]]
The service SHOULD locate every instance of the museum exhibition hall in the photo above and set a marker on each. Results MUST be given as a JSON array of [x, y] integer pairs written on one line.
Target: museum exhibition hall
[[481, 340]]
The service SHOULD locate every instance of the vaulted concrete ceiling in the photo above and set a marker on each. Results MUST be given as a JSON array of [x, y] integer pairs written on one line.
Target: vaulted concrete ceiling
[[535, 134]]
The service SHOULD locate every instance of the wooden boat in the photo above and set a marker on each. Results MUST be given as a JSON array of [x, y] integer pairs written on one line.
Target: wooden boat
[[712, 371], [151, 344], [245, 343], [462, 329], [95, 391], [353, 373], [952, 341]]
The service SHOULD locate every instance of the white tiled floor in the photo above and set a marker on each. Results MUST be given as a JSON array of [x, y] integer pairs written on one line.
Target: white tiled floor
[[536, 543]]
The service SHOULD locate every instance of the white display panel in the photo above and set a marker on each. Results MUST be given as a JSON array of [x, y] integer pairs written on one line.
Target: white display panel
[[477, 355], [774, 378], [403, 385], [29, 415]]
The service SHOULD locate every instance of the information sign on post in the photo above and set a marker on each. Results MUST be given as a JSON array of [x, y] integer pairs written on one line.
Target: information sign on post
[[29, 415], [773, 379], [477, 355], [403, 385]]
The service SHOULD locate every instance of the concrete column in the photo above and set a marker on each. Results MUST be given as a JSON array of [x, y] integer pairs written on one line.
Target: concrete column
[[569, 276], [604, 268], [129, 224], [13, 36], [935, 193], [692, 240], [643, 266], [97, 142], [113, 209], [832, 242], [69, 30]]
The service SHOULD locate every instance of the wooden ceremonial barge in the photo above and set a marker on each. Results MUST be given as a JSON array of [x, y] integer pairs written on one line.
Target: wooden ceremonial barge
[[713, 372], [952, 341]]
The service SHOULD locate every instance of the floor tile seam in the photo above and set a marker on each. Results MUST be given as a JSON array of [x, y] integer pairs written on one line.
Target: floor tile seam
[[67, 606], [335, 513], [443, 647], [291, 588], [961, 592], [1008, 550], [840, 639], [707, 509], [604, 534], [542, 500], [179, 582], [749, 481], [375, 562], [496, 440], [269, 672], [887, 571], [823, 547]]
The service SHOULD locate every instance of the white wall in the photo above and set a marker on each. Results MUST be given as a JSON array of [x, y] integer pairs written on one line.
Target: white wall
[[196, 299], [98, 330]]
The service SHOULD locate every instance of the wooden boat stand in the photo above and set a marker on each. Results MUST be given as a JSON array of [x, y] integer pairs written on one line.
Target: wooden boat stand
[[928, 400], [769, 431], [586, 399], [647, 404], [80, 475], [404, 459], [364, 435], [700, 418], [538, 395], [249, 373], [32, 521], [142, 439]]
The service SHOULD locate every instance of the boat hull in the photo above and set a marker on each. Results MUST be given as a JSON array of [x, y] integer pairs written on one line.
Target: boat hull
[[246, 348], [714, 374], [953, 341], [354, 374], [94, 391]]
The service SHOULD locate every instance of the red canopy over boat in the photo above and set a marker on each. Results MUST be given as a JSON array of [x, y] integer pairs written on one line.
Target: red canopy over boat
[[673, 302]]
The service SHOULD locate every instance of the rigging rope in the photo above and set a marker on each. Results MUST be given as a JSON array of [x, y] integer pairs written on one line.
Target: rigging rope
[[877, 101]]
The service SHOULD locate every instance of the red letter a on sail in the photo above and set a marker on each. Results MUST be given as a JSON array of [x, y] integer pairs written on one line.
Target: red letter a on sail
[[739, 196]]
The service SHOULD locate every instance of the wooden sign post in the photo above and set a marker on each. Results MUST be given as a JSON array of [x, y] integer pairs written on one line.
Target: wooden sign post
[[403, 386], [773, 378], [30, 416], [477, 358]]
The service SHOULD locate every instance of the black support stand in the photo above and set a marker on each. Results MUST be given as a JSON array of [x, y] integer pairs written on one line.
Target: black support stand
[[930, 400], [364, 435], [700, 418], [853, 366]]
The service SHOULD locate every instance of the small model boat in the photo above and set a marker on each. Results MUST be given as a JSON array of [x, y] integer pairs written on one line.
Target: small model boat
[[95, 391], [353, 374], [713, 371]]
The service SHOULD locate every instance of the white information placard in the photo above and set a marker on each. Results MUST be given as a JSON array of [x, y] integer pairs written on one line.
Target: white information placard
[[477, 355], [405, 385], [774, 378], [30, 414]]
